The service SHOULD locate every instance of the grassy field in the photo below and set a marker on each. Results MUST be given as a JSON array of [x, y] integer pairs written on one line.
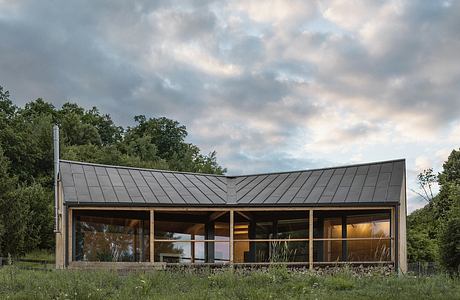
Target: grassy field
[[275, 283]]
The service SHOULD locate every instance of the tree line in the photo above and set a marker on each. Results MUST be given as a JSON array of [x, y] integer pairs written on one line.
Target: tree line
[[434, 230], [26, 160]]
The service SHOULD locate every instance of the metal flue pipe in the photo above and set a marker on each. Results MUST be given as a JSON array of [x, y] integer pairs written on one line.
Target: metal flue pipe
[[56, 175]]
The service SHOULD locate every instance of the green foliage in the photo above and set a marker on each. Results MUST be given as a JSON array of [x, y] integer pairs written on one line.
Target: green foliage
[[420, 247], [158, 139], [221, 284], [433, 230], [40, 254], [26, 159], [7, 185], [450, 245], [451, 172], [27, 220]]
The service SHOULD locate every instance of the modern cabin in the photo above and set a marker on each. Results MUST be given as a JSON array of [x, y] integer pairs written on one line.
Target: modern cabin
[[113, 216]]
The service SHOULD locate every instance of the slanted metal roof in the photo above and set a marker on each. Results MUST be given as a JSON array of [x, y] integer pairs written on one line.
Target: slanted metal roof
[[364, 184]]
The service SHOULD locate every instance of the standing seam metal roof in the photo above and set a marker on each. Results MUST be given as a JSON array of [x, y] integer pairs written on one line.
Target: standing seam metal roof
[[372, 183]]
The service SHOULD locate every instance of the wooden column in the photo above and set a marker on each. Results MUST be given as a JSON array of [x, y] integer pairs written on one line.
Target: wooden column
[[344, 241], [135, 240], [209, 246], [192, 249], [70, 240], [152, 235], [231, 235], [252, 245], [141, 244], [392, 235], [310, 239]]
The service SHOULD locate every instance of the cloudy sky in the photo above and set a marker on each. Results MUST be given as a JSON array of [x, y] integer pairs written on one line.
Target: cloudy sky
[[270, 85]]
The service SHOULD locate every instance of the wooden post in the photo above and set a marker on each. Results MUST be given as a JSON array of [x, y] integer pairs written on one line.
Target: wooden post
[[70, 241], [192, 249], [152, 235], [61, 237], [141, 244], [392, 235], [310, 240], [344, 237], [231, 236]]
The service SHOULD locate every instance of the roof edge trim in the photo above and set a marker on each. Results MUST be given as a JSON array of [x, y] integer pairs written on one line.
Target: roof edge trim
[[232, 176], [137, 168]]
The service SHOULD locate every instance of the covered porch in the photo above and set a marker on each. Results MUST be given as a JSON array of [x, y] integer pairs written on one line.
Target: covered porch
[[304, 236]]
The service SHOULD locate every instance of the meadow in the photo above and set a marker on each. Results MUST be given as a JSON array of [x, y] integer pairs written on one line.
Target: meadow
[[186, 283]]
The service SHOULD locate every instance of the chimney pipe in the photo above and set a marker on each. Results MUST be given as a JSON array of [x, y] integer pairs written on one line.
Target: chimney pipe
[[56, 175]]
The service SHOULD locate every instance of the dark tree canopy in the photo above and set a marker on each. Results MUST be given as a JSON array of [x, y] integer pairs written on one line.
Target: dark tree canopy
[[26, 159]]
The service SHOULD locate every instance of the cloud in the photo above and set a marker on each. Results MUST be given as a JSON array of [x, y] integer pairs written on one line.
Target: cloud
[[269, 85], [423, 163]]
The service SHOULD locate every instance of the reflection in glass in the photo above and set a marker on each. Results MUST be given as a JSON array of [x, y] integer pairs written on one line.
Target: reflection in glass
[[369, 250], [273, 251], [111, 239], [170, 230], [332, 250], [189, 252], [241, 249], [369, 226], [264, 230], [292, 229], [221, 249], [173, 252], [196, 237]]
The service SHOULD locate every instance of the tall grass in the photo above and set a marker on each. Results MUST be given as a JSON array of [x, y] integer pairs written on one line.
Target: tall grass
[[185, 283]]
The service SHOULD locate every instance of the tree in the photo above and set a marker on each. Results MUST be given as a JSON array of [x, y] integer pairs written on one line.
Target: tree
[[26, 211], [7, 109], [451, 169], [420, 247], [450, 245], [449, 239], [168, 138], [432, 230], [167, 135], [108, 131], [425, 180], [7, 207]]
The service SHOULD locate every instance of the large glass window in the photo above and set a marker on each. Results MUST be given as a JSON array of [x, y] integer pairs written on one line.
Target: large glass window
[[271, 236], [332, 248], [366, 237], [259, 236], [192, 237], [292, 228], [115, 236], [374, 230]]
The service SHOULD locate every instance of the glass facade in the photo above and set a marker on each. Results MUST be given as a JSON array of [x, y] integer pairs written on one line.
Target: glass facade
[[332, 248], [259, 236], [375, 229], [112, 236], [266, 237], [352, 236], [192, 237]]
